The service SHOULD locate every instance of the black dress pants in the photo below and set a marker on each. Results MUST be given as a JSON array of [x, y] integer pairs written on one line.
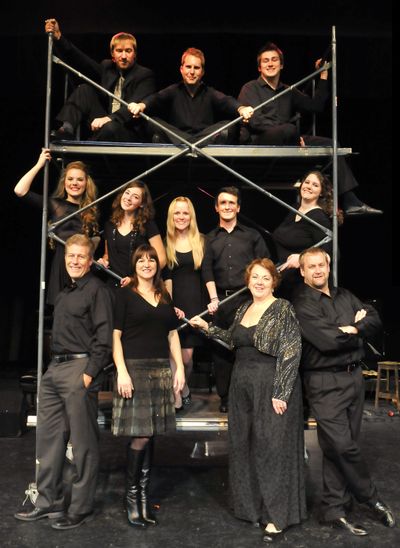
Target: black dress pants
[[224, 137], [85, 104], [336, 401], [287, 135]]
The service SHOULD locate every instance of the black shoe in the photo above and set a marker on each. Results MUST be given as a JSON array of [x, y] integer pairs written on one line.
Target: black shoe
[[343, 523], [187, 400], [39, 513], [61, 135], [383, 513], [223, 408], [70, 521], [362, 210], [178, 409]]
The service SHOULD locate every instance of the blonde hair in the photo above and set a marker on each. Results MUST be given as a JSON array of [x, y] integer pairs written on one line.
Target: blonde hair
[[119, 37], [82, 240], [196, 239]]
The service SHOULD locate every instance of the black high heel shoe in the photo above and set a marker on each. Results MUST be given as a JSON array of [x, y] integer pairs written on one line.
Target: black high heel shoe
[[187, 400]]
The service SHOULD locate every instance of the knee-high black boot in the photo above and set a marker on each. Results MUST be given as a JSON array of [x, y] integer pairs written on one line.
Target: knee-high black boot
[[133, 504], [147, 513]]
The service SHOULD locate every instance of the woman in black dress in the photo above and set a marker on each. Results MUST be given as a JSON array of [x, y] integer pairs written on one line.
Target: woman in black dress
[[75, 190], [130, 226], [295, 234], [182, 276], [266, 456], [143, 403]]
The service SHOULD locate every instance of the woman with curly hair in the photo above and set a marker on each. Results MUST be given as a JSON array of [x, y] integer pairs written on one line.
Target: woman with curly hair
[[131, 225], [295, 233], [75, 190]]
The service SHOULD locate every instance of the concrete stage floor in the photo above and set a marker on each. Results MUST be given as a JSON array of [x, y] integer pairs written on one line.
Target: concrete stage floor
[[190, 485]]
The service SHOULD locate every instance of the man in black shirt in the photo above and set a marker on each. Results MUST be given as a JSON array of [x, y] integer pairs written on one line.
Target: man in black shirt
[[274, 123], [192, 109], [81, 348], [334, 324], [230, 247]]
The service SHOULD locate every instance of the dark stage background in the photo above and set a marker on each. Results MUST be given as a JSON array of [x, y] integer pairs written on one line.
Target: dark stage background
[[230, 38]]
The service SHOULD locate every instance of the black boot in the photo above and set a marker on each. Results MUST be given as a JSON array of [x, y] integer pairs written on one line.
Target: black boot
[[147, 513], [133, 505]]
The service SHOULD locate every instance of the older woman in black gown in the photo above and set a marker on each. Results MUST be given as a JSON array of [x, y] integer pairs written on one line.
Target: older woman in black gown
[[265, 417]]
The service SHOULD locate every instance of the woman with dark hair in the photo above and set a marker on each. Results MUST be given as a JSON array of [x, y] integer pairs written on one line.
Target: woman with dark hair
[[131, 225], [75, 190], [295, 233], [266, 445], [144, 336]]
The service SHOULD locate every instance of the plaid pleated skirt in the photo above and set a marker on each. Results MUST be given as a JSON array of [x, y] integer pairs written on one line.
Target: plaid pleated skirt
[[151, 409]]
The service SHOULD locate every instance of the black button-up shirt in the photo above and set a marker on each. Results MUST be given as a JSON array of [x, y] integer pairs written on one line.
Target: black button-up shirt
[[83, 322], [192, 114], [228, 253], [282, 110], [320, 316]]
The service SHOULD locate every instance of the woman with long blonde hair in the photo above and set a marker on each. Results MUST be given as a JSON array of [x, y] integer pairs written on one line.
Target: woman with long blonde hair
[[185, 251]]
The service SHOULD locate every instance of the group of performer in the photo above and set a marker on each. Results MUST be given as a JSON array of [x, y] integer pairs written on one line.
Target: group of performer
[[274, 336]]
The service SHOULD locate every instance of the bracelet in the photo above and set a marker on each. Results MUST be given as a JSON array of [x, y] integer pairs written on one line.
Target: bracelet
[[214, 299]]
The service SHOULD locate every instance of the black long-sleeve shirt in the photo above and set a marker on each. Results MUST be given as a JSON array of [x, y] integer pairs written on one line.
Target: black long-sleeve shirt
[[228, 253], [83, 322], [282, 110], [320, 316], [176, 106]]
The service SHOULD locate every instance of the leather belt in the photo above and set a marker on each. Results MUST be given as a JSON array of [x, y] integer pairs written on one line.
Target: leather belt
[[349, 368], [229, 292], [61, 358]]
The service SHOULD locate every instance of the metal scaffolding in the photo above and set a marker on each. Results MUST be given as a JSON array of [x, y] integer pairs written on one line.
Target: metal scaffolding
[[171, 153]]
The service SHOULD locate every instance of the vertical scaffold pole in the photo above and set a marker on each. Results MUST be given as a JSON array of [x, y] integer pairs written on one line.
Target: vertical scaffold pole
[[44, 235], [334, 159]]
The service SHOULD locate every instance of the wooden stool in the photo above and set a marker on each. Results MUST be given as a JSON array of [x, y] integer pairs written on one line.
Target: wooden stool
[[388, 394]]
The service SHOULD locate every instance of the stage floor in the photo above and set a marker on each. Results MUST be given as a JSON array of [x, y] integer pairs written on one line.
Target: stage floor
[[190, 485]]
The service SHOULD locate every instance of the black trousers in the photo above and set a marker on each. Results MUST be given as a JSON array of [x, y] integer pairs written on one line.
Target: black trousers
[[67, 411], [287, 135], [228, 136], [336, 401], [223, 358], [85, 104]]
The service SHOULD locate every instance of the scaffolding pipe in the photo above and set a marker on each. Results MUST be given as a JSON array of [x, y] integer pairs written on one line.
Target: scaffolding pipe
[[335, 163], [194, 147]]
